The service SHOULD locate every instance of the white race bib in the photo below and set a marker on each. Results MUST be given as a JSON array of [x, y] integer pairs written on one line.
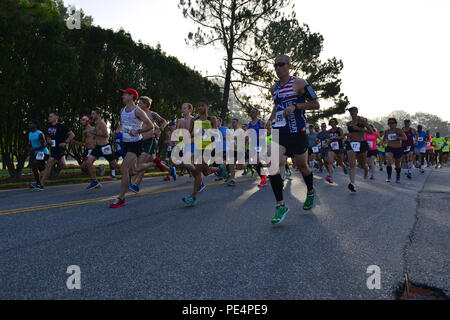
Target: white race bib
[[106, 150], [420, 139], [428, 144], [40, 156], [408, 149], [335, 145], [438, 143], [169, 148], [356, 146], [370, 143], [53, 143], [280, 120], [315, 149], [89, 152], [392, 136]]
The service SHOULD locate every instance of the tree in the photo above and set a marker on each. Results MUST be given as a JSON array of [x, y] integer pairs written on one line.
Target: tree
[[229, 24]]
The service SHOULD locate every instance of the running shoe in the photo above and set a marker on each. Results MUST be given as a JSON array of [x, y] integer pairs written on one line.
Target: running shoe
[[189, 200], [372, 177], [280, 214], [263, 183], [202, 188], [166, 178], [37, 186], [232, 183], [329, 180], [173, 173], [381, 168], [94, 184], [245, 172], [409, 176], [352, 187], [253, 174], [397, 180], [219, 178], [345, 171], [133, 187], [388, 179], [117, 203], [422, 171], [288, 174], [309, 202], [366, 174]]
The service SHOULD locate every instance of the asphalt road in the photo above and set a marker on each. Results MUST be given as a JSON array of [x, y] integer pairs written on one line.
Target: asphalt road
[[225, 247]]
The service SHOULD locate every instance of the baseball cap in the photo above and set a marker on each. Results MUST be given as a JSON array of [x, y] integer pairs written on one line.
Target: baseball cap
[[172, 123], [86, 118], [352, 109], [131, 91]]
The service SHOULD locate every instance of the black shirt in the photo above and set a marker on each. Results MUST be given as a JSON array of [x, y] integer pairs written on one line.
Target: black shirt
[[58, 133]]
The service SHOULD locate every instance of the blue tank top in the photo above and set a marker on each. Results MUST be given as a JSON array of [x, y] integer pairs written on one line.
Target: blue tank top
[[421, 137], [36, 143], [283, 97]]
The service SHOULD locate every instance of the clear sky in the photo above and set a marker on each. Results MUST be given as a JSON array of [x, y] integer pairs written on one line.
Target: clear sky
[[396, 53]]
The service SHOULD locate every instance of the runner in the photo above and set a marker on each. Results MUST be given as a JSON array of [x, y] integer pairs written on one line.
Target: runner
[[131, 120], [292, 96], [324, 140], [438, 142], [231, 181], [203, 141], [39, 152], [257, 124], [381, 150], [88, 141], [357, 146], [394, 151], [420, 149], [445, 152], [149, 146], [170, 145], [102, 148], [185, 123], [336, 145], [59, 136], [223, 130], [408, 148], [313, 150], [429, 149], [373, 149]]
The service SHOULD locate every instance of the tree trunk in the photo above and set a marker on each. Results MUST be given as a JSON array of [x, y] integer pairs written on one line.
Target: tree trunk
[[227, 86]]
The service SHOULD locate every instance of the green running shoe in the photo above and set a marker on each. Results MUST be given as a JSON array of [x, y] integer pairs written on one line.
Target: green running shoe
[[309, 202], [280, 214], [189, 200]]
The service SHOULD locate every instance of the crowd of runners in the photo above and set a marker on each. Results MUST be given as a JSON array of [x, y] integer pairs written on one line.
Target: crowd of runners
[[309, 146]]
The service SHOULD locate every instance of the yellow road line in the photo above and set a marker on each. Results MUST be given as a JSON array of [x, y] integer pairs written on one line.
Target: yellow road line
[[87, 201]]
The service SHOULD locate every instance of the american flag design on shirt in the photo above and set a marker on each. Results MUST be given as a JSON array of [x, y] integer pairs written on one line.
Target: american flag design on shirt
[[283, 97]]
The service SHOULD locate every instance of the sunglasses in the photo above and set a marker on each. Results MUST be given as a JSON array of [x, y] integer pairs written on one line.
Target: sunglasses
[[392, 122], [279, 64]]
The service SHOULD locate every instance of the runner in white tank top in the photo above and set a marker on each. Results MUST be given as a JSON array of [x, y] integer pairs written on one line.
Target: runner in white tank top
[[131, 120]]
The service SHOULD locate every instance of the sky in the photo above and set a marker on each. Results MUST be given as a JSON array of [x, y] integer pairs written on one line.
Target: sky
[[396, 54]]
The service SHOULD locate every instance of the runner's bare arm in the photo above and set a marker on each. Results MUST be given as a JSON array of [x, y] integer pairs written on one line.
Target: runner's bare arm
[[102, 131], [299, 87], [403, 135], [214, 122], [366, 126], [144, 118]]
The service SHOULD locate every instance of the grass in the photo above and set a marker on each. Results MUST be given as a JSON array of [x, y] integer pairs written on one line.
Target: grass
[[73, 176]]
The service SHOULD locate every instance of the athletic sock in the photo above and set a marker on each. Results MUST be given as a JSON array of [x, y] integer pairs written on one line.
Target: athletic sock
[[309, 181], [258, 169], [398, 170], [277, 186], [389, 171], [113, 173]]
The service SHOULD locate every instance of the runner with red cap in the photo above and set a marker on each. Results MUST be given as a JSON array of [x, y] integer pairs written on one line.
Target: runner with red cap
[[131, 120]]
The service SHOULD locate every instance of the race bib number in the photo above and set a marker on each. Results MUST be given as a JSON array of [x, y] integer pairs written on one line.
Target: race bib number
[[408, 149], [40, 156], [106, 150], [280, 120], [169, 148], [53, 143], [356, 146], [335, 145], [438, 143], [420, 139], [315, 149], [89, 153], [428, 144], [370, 143], [392, 136]]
